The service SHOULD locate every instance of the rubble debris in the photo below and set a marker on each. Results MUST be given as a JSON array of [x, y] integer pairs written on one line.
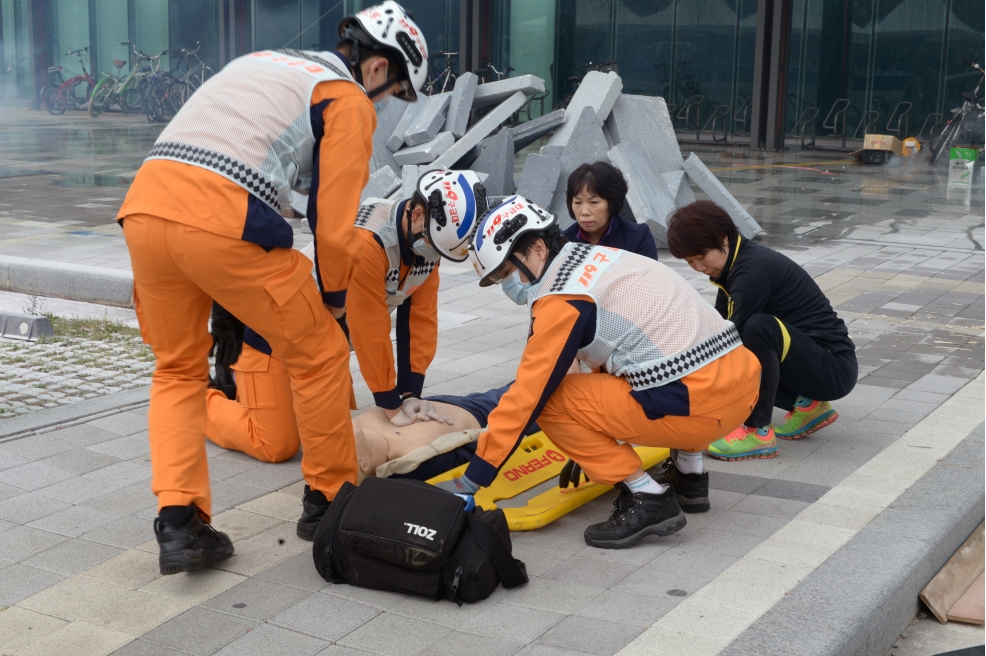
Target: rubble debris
[[429, 121], [645, 120], [427, 152], [383, 182], [460, 104], [492, 93], [539, 178], [409, 180], [700, 174], [597, 90], [586, 144], [396, 139], [496, 157], [527, 133], [648, 200], [483, 128]]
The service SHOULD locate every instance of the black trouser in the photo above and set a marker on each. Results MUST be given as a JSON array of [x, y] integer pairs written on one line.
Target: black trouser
[[808, 369]]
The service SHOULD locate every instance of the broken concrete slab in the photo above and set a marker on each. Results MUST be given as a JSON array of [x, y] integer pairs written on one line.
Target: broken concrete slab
[[427, 152], [678, 188], [389, 114], [383, 182], [647, 196], [482, 129], [527, 133], [492, 93], [409, 180], [585, 145], [700, 174], [598, 91], [460, 104], [496, 158], [554, 152], [396, 139], [645, 120], [539, 178], [429, 121]]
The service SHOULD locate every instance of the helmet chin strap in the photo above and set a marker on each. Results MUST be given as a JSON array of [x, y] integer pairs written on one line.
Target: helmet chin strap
[[383, 87], [519, 263]]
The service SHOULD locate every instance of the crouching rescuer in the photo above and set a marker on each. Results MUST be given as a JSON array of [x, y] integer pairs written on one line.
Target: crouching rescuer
[[664, 369], [203, 223]]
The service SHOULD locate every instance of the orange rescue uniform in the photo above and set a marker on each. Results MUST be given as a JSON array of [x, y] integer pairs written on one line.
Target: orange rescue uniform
[[189, 239], [369, 321], [595, 418]]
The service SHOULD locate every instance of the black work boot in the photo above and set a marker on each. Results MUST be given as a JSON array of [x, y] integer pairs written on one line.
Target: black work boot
[[191, 546], [314, 504], [634, 517], [224, 382], [691, 490]]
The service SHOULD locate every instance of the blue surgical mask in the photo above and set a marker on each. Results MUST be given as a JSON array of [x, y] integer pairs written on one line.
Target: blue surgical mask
[[425, 250], [516, 290]]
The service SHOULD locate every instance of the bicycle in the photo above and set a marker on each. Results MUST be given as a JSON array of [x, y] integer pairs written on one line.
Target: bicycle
[[187, 78], [156, 87], [125, 92], [445, 80], [968, 117], [56, 95], [576, 80], [489, 69]]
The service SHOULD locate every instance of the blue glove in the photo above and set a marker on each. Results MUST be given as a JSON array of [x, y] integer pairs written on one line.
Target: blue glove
[[470, 501]]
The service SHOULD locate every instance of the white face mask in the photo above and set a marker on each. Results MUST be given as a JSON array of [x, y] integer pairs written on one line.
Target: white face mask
[[425, 250], [516, 290]]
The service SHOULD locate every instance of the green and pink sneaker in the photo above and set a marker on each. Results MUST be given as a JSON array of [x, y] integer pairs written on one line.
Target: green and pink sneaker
[[807, 417], [745, 443]]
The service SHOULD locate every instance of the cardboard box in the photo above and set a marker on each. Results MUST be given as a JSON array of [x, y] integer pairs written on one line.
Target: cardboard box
[[961, 165], [882, 142]]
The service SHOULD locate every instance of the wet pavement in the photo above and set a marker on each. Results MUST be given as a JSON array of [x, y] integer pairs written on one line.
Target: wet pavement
[[897, 251]]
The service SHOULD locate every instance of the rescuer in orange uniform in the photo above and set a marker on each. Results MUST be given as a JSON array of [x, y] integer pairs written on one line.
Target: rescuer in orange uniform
[[667, 370], [203, 223], [398, 270]]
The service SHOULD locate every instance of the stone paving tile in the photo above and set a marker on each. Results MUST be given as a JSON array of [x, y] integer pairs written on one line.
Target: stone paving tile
[[256, 599], [80, 461], [72, 557], [509, 622], [395, 635], [199, 631], [325, 616], [266, 639], [73, 521], [457, 643], [19, 582], [22, 542], [590, 635]]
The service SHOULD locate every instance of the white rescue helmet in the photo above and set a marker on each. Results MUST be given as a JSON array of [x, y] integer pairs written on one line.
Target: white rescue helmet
[[499, 230], [456, 201], [388, 26]]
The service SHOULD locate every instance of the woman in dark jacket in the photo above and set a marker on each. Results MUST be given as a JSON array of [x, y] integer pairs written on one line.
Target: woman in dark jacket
[[782, 316], [596, 193]]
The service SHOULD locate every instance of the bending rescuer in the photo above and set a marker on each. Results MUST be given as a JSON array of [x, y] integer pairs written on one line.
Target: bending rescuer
[[667, 370], [203, 223]]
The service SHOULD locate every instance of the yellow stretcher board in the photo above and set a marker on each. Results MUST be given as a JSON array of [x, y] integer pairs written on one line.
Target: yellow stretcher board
[[535, 461]]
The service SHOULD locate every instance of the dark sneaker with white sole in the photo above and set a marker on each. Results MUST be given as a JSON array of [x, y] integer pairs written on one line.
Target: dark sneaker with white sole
[[191, 547], [635, 516], [314, 504], [690, 490]]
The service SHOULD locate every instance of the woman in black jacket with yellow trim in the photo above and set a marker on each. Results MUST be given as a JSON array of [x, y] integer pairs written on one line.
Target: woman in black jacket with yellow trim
[[782, 316]]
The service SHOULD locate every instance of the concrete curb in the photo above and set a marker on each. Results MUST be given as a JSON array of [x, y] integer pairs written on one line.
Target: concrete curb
[[45, 421], [859, 600], [75, 282]]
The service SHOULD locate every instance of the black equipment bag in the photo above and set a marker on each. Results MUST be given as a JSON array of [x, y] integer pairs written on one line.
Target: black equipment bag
[[403, 535]]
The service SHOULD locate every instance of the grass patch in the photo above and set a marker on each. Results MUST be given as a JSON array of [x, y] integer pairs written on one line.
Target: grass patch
[[94, 329]]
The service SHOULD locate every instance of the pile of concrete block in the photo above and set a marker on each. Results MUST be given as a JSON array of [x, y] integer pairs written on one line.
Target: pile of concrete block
[[635, 134]]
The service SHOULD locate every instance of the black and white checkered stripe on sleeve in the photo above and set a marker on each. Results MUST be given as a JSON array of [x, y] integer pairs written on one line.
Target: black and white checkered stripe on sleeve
[[573, 260], [363, 214], [685, 362], [247, 177]]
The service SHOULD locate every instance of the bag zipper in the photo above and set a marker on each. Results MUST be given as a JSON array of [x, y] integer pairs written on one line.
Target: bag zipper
[[328, 551], [458, 575]]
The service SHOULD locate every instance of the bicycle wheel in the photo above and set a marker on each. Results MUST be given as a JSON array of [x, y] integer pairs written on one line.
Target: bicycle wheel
[[179, 94], [100, 98], [80, 101], [53, 98], [132, 99], [944, 141]]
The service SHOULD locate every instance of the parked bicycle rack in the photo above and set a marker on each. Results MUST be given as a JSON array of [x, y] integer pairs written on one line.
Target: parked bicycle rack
[[865, 125], [808, 117], [902, 111], [932, 133], [686, 112], [742, 116], [840, 109], [721, 113]]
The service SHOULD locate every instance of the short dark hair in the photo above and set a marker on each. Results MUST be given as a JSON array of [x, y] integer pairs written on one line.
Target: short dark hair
[[697, 228], [599, 178]]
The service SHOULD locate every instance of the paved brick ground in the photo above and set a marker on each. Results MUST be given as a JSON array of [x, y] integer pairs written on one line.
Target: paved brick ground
[[898, 253]]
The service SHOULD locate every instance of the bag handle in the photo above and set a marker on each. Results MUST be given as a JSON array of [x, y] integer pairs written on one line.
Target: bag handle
[[512, 572]]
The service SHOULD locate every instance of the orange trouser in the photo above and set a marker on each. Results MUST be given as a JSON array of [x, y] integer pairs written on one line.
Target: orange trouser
[[178, 271], [261, 421], [588, 413]]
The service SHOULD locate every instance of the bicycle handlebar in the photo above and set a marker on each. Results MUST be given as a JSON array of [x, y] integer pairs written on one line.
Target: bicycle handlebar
[[973, 64], [76, 53]]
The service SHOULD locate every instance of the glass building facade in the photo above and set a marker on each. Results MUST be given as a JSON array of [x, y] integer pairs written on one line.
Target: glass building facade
[[875, 53]]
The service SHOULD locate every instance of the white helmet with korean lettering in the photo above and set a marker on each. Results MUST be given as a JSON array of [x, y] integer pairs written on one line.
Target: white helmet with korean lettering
[[499, 230], [455, 200], [390, 27]]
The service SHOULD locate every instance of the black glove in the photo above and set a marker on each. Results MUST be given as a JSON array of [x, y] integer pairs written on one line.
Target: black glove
[[227, 336], [570, 473], [345, 326]]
